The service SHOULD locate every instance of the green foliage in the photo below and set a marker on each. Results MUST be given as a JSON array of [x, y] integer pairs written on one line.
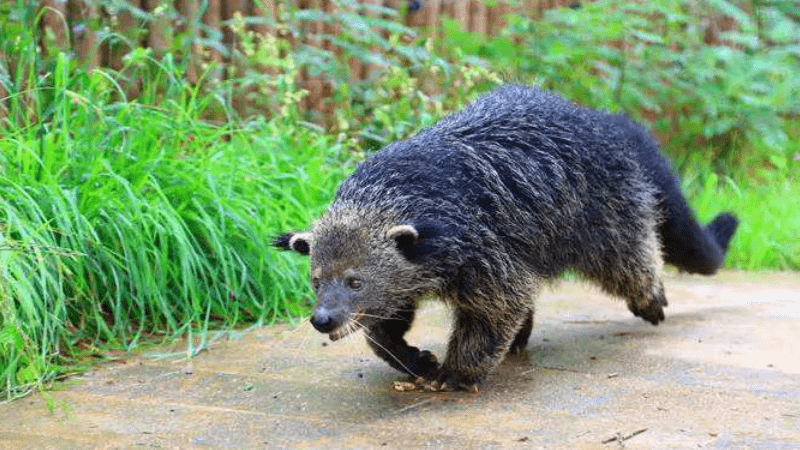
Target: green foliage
[[399, 102], [406, 85], [136, 205], [668, 62], [716, 81], [123, 220], [769, 224]]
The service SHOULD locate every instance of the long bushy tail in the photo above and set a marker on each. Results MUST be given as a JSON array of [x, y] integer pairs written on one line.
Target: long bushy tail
[[722, 228], [694, 248]]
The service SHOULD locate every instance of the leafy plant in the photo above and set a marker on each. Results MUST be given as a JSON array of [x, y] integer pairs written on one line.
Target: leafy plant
[[669, 63], [121, 221], [406, 85]]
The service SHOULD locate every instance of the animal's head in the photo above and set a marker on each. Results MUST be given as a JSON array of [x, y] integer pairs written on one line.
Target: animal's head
[[361, 273]]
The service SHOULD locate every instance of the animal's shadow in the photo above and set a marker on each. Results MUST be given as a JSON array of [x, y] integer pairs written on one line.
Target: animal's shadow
[[558, 357]]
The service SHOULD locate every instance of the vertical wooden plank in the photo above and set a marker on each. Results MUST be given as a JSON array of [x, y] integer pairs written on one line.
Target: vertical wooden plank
[[326, 107], [302, 76], [416, 13], [369, 69], [190, 12], [160, 28], [315, 28], [83, 18], [397, 6], [314, 83], [430, 83], [448, 8], [358, 68], [232, 69], [531, 8], [330, 29], [125, 25], [478, 21], [267, 14], [432, 9], [497, 15], [534, 8], [267, 11], [463, 14], [54, 26], [227, 10], [493, 18], [211, 18]]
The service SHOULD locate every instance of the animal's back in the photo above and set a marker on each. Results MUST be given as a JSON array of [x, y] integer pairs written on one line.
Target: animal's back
[[519, 168]]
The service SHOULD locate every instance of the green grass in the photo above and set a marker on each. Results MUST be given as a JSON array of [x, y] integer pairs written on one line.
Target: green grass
[[767, 237], [124, 220]]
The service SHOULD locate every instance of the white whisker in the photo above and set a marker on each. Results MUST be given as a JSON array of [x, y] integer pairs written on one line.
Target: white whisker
[[392, 355], [381, 317]]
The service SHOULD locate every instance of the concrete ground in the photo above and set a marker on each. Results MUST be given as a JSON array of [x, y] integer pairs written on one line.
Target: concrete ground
[[722, 372]]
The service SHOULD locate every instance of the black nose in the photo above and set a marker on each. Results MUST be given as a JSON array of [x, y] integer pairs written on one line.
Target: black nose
[[323, 321]]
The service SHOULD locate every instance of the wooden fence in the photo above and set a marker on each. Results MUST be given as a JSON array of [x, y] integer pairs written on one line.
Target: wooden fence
[[82, 26]]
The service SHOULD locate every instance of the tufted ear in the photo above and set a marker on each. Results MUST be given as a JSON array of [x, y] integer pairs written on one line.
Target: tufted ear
[[404, 235], [426, 239], [299, 242]]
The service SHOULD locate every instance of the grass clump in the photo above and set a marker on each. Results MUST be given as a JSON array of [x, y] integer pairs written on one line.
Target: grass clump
[[769, 221], [121, 220]]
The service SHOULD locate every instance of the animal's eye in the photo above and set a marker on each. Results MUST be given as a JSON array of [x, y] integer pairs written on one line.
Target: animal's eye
[[354, 283], [315, 283]]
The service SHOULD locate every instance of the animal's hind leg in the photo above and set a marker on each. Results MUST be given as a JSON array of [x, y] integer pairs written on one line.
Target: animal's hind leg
[[643, 292], [386, 340], [641, 281], [634, 272], [524, 333], [649, 305]]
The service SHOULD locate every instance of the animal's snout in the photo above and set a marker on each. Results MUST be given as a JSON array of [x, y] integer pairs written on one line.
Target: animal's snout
[[323, 320]]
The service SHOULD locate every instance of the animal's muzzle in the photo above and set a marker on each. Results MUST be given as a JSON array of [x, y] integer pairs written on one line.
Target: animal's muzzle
[[324, 321]]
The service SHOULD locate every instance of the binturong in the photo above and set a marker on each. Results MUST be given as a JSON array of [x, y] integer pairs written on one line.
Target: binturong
[[485, 207]]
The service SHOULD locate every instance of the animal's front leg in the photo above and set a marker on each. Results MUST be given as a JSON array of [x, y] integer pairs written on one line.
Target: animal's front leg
[[386, 339], [477, 345]]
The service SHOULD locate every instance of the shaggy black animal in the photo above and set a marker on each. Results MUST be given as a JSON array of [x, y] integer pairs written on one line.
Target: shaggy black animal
[[484, 207]]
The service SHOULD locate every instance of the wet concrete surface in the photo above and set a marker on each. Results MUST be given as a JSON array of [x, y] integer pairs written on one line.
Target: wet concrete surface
[[722, 372]]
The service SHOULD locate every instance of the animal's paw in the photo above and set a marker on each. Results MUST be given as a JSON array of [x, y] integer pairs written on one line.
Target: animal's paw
[[652, 312], [517, 349], [427, 365], [452, 381], [421, 373]]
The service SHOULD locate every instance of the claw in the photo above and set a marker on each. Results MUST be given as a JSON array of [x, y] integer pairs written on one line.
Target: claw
[[653, 312], [453, 383]]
